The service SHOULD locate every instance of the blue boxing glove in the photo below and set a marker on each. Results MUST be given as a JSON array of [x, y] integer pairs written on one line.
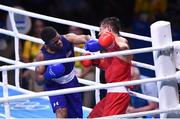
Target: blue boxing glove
[[92, 46], [54, 71]]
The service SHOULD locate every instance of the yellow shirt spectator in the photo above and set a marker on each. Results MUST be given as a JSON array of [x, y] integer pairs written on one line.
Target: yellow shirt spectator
[[30, 50]]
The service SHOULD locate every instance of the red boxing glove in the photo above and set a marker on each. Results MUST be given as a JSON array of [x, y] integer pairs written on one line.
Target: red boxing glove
[[106, 39], [88, 63]]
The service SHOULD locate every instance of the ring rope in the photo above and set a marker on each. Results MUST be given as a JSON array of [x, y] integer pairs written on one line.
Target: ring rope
[[22, 36], [30, 38], [31, 92], [11, 10], [146, 97], [135, 63], [82, 81], [88, 88], [72, 59], [3, 59], [142, 96], [37, 40], [67, 22], [138, 114], [48, 18], [134, 36], [143, 65]]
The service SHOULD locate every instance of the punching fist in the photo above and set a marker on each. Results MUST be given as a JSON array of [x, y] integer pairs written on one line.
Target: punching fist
[[88, 63], [54, 71], [106, 39], [92, 46]]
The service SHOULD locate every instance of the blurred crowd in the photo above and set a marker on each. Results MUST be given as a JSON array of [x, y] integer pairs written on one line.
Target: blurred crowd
[[92, 11], [135, 16]]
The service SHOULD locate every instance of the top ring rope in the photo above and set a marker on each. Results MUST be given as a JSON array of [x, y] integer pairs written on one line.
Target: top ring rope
[[48, 18], [100, 55], [67, 22]]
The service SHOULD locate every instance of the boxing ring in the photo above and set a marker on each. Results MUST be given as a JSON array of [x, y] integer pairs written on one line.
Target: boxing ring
[[19, 103]]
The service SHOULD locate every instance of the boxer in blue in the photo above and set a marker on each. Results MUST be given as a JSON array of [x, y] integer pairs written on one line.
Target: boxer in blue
[[61, 75]]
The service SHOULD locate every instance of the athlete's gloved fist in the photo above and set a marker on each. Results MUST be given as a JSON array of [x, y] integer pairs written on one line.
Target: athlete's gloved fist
[[54, 71], [88, 63], [106, 40], [92, 45]]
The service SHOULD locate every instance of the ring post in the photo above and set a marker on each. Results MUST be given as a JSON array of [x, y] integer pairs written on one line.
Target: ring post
[[164, 66], [5, 94]]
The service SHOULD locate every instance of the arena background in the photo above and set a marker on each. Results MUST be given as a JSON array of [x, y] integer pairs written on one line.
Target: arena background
[[135, 16]]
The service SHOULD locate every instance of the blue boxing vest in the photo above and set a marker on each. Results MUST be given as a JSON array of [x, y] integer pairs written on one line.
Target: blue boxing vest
[[66, 51], [72, 102]]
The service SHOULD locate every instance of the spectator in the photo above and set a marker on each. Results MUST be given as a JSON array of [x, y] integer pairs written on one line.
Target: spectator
[[150, 89], [30, 50], [150, 10]]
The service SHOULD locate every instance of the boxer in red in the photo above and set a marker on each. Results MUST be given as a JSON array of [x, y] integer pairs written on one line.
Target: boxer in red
[[117, 69]]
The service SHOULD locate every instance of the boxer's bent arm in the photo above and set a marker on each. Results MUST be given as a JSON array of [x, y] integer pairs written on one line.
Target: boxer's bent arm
[[123, 43]]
